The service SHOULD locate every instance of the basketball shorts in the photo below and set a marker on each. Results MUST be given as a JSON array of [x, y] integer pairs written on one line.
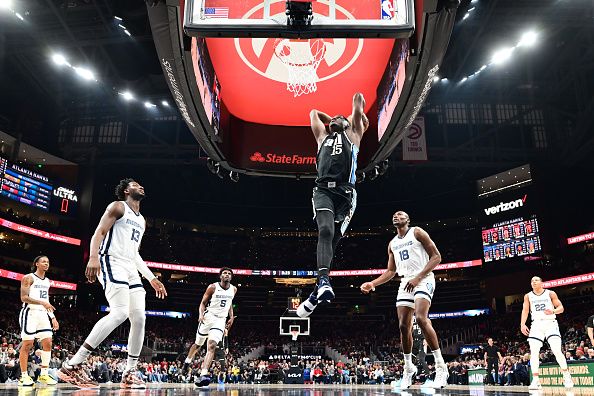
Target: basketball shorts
[[121, 283], [341, 201], [424, 289], [212, 328], [35, 324], [118, 273], [542, 330]]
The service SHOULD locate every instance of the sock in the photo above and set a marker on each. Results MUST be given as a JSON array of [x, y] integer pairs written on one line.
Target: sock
[[408, 359], [45, 359], [438, 358], [188, 360], [203, 371], [131, 363], [323, 272], [80, 356]]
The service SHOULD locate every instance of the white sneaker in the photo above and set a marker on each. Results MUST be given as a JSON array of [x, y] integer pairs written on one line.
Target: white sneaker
[[535, 384], [407, 376], [441, 377], [567, 381]]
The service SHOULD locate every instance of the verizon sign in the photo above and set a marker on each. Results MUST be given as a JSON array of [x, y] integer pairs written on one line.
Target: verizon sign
[[505, 206]]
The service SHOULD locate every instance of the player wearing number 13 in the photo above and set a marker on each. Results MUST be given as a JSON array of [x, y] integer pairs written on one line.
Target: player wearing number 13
[[413, 255], [544, 306], [115, 260]]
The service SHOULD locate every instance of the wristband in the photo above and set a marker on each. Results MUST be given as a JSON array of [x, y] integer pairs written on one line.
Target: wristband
[[51, 315]]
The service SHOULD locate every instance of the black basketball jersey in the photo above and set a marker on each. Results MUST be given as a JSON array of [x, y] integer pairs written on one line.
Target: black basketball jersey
[[337, 159]]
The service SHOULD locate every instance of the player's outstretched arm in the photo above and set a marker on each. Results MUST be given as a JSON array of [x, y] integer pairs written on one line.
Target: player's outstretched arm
[[383, 278], [525, 310], [359, 121], [318, 121], [114, 211]]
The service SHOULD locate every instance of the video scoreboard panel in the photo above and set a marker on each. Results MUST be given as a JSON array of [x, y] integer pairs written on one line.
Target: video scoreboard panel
[[35, 189], [512, 238], [25, 186]]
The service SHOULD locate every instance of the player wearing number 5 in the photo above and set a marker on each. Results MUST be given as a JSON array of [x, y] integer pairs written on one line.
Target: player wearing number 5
[[413, 255], [543, 306], [115, 260], [216, 305]]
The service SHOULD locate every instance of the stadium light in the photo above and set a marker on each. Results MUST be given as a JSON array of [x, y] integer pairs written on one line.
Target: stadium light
[[127, 95], [127, 32], [60, 60], [149, 105], [19, 16], [502, 55], [5, 4], [436, 79], [85, 73], [165, 103], [464, 79], [528, 39], [117, 18], [465, 16]]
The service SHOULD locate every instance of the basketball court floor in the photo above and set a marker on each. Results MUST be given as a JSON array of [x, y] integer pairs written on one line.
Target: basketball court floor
[[287, 390]]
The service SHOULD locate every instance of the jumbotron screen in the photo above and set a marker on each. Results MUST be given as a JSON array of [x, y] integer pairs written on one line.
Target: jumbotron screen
[[512, 238], [35, 189], [25, 186]]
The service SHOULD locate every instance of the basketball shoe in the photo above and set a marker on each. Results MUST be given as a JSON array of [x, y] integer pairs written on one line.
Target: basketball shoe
[[407, 376], [26, 380], [325, 292], [441, 377], [131, 380], [535, 384], [306, 307], [46, 379]]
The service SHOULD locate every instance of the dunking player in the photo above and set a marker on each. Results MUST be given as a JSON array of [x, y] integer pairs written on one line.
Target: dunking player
[[35, 318], [413, 255], [216, 305], [543, 306], [115, 260], [334, 197]]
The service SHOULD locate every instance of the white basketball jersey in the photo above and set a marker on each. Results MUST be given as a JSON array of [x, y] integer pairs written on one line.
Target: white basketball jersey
[[123, 239], [538, 304], [409, 254], [39, 290], [220, 301]]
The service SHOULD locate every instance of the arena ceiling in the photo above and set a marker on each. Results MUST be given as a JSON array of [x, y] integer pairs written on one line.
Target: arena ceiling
[[556, 77]]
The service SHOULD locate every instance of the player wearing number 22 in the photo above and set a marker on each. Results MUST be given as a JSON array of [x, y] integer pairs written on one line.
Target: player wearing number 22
[[413, 255], [544, 306], [115, 260], [216, 305]]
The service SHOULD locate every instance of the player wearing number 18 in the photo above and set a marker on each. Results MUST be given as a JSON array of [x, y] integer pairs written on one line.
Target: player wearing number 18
[[216, 305], [413, 255], [114, 259]]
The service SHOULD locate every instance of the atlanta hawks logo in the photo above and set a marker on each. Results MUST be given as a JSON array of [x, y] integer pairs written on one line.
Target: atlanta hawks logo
[[259, 53]]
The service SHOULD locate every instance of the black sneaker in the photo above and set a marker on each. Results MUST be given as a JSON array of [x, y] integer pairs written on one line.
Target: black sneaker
[[325, 292], [203, 381]]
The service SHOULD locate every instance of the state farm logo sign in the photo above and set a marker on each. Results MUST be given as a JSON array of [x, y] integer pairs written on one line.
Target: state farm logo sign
[[259, 53], [505, 206], [273, 158]]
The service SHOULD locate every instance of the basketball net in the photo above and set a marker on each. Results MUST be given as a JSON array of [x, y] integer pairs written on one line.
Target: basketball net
[[302, 59], [294, 334]]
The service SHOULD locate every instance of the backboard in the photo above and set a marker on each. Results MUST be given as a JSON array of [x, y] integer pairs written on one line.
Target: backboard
[[276, 18], [293, 323]]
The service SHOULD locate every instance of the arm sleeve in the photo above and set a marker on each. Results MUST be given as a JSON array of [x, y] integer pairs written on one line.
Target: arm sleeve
[[143, 269], [590, 322]]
